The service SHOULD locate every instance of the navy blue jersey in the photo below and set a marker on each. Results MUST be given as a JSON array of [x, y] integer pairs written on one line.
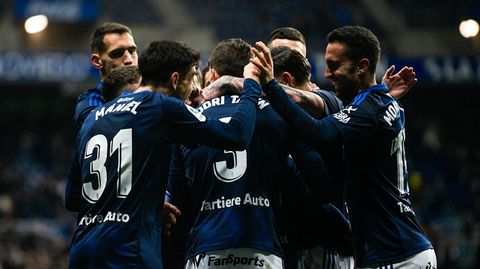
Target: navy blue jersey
[[123, 158], [372, 130], [86, 102], [234, 194]]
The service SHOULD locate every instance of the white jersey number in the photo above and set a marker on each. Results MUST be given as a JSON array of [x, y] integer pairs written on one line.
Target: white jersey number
[[121, 142], [398, 147], [226, 174]]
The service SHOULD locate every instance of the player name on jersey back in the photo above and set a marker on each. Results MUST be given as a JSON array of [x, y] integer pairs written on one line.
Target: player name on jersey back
[[124, 104], [221, 101]]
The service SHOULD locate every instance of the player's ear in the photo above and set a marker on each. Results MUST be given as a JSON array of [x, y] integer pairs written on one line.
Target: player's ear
[[214, 73], [287, 79], [363, 65], [96, 61], [174, 80]]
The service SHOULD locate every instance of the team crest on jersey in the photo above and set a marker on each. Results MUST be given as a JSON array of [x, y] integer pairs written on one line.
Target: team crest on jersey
[[196, 113]]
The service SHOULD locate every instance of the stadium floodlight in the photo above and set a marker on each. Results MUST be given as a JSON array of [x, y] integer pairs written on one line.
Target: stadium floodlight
[[468, 28], [36, 24]]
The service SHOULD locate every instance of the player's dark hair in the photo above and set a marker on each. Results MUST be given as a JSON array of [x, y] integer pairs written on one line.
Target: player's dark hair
[[289, 33], [230, 56], [288, 60], [204, 72], [117, 79], [97, 45], [360, 43], [162, 58]]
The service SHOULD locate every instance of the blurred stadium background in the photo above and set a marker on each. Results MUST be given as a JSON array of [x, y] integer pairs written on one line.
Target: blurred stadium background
[[41, 75]]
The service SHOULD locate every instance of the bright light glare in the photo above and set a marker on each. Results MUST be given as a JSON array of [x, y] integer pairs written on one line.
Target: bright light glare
[[468, 28], [36, 24]]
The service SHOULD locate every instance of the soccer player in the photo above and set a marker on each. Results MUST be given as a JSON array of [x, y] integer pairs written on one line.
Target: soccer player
[[371, 130], [320, 103], [233, 195], [112, 46], [122, 155]]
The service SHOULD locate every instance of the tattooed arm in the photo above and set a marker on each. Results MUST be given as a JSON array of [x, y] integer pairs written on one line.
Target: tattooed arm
[[309, 101]]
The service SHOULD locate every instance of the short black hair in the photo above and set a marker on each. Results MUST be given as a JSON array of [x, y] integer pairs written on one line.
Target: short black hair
[[117, 79], [230, 56], [360, 43], [288, 60], [289, 33], [97, 45], [162, 58]]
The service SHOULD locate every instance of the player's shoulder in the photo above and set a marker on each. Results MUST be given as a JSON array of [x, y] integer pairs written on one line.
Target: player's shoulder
[[333, 104]]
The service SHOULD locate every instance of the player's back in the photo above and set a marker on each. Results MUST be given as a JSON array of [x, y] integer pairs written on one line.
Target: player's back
[[123, 159], [233, 193], [383, 222]]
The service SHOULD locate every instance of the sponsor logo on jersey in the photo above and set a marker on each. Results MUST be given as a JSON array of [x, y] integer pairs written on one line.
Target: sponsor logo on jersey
[[222, 203], [232, 260], [343, 116], [110, 217]]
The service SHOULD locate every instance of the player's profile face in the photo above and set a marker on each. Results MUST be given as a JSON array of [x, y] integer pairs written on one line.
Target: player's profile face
[[340, 70], [120, 51], [184, 88]]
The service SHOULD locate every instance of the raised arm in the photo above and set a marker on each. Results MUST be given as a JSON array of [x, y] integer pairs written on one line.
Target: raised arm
[[309, 101], [400, 83], [311, 129]]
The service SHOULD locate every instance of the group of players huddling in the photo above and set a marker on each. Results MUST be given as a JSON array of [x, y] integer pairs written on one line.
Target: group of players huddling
[[245, 165]]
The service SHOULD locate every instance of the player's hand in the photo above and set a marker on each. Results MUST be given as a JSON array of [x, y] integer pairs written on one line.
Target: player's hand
[[170, 215], [312, 86], [263, 61], [400, 83], [251, 71]]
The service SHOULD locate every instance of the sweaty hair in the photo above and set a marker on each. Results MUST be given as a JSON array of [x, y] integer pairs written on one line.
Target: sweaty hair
[[162, 58], [230, 56], [97, 44], [360, 43], [288, 60], [289, 33], [117, 79]]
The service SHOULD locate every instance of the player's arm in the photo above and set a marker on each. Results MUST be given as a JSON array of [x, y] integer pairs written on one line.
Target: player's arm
[[190, 126], [177, 190], [400, 83], [73, 188], [309, 101], [312, 130], [218, 87], [86, 102]]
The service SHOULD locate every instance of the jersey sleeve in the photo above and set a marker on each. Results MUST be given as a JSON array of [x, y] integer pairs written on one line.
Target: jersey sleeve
[[190, 126], [86, 102], [312, 130], [73, 188]]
